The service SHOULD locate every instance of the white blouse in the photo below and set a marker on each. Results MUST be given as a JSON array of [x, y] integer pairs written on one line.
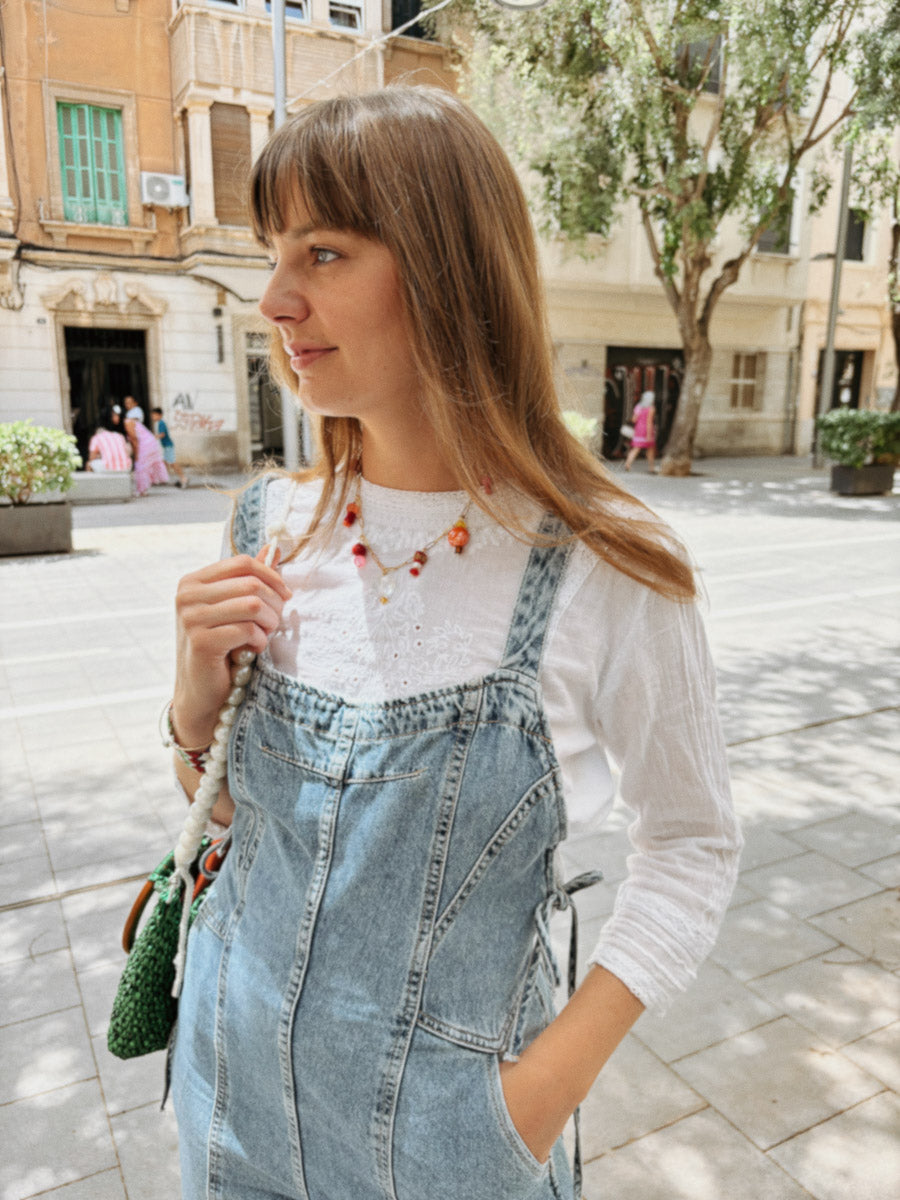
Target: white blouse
[[626, 678]]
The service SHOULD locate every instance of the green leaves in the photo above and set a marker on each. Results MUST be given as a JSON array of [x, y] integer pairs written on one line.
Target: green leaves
[[702, 110], [34, 458], [856, 436]]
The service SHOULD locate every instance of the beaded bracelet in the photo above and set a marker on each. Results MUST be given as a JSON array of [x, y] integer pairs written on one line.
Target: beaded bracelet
[[196, 758]]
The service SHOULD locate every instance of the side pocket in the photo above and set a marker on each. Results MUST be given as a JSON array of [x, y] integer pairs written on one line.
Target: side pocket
[[506, 1123]]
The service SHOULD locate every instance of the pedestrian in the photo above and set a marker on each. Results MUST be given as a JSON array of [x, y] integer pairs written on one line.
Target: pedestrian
[[149, 467], [467, 620], [161, 429], [108, 449], [133, 411], [644, 436]]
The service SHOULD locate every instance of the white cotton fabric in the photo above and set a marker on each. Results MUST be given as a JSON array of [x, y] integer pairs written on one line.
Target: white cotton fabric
[[626, 677]]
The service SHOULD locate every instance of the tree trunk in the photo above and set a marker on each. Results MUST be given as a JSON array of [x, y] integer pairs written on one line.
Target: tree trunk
[[895, 318], [680, 446]]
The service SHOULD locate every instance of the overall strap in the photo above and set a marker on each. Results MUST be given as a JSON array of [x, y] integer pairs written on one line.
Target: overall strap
[[248, 518], [545, 569]]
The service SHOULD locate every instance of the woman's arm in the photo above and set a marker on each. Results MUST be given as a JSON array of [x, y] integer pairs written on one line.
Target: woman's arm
[[655, 713], [131, 436], [223, 811], [556, 1072]]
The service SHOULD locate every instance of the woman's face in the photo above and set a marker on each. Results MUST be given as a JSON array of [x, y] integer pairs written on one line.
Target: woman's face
[[335, 298]]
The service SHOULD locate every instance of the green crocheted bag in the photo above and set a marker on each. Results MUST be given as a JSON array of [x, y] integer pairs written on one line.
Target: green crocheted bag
[[144, 1009]]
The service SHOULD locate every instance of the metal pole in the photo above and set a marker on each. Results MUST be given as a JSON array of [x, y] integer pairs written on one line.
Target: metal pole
[[826, 385], [290, 417]]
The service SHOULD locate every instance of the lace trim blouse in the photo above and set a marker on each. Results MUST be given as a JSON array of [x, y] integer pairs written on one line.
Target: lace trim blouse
[[628, 687]]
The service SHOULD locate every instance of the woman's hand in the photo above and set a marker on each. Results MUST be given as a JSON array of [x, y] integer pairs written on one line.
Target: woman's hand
[[232, 605], [535, 1106], [556, 1071]]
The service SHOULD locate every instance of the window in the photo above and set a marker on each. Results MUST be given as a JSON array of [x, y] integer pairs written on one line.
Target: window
[[345, 15], [695, 57], [92, 164], [777, 238], [743, 381], [294, 10], [856, 237], [403, 11], [230, 133]]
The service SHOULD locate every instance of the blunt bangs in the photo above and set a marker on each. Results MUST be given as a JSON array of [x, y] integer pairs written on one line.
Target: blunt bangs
[[318, 158]]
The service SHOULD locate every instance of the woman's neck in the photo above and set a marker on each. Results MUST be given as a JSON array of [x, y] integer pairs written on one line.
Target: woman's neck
[[406, 460]]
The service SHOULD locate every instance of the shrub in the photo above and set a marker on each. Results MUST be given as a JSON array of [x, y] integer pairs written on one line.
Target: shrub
[[854, 437], [35, 458], [582, 427]]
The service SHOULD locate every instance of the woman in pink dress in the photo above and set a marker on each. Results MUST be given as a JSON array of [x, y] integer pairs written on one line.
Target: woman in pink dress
[[644, 431], [149, 467]]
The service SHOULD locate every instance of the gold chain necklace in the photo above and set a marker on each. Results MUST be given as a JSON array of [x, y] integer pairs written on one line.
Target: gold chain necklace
[[456, 534]]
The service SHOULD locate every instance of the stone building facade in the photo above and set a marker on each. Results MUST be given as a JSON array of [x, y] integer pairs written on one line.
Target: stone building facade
[[126, 262]]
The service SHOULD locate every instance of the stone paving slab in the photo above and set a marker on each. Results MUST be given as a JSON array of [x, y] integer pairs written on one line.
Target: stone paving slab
[[856, 1153], [702, 1157], [775, 1077], [776, 1080]]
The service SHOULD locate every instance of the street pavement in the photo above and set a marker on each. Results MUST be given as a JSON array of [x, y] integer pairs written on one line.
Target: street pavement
[[775, 1078]]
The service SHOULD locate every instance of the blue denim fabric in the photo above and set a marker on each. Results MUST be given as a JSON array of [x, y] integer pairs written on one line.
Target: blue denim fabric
[[371, 949]]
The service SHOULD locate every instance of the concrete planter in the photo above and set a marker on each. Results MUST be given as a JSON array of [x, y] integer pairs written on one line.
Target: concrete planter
[[36, 528], [872, 480], [101, 487]]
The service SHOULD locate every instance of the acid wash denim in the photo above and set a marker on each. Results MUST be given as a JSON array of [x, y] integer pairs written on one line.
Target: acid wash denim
[[376, 941]]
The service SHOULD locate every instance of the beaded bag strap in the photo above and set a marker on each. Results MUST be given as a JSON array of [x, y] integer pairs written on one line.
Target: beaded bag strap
[[247, 516]]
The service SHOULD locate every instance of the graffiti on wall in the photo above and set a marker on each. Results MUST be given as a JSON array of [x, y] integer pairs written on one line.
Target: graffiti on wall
[[186, 420]]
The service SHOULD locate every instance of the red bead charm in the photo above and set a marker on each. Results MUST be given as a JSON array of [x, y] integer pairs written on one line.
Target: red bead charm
[[351, 514], [420, 557], [458, 536], [414, 570], [359, 554]]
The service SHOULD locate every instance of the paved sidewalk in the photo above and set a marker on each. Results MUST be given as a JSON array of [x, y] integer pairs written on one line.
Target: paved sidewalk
[[777, 1077]]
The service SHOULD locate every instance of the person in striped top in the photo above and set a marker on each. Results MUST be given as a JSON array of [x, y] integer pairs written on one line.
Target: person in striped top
[[108, 449]]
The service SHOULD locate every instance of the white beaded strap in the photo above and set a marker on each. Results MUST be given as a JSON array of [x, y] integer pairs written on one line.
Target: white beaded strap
[[211, 780]]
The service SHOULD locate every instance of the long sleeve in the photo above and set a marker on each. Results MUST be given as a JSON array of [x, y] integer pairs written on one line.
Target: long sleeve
[[656, 712]]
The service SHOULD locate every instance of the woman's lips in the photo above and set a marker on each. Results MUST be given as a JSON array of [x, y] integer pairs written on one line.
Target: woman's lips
[[300, 359]]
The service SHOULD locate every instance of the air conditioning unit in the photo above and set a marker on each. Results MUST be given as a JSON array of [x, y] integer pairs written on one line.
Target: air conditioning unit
[[168, 191]]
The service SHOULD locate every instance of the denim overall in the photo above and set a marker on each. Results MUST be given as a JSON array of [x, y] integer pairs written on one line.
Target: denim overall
[[377, 939]]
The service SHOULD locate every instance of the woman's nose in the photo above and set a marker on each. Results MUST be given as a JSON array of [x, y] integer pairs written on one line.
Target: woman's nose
[[282, 302]]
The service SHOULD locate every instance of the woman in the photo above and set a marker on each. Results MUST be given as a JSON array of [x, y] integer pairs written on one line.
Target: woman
[[108, 449], [644, 437], [149, 467], [444, 667]]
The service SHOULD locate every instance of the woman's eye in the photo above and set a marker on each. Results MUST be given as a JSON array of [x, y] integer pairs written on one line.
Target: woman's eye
[[321, 254]]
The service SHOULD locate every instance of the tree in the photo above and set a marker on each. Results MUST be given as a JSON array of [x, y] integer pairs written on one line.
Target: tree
[[878, 170], [699, 112]]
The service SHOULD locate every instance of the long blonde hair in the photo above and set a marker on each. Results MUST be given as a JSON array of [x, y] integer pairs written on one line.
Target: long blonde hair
[[415, 169]]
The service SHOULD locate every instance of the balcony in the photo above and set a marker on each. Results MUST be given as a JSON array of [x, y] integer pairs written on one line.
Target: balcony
[[227, 54]]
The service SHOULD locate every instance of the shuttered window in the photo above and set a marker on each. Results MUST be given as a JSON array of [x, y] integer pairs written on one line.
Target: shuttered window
[[744, 380], [230, 131], [92, 164]]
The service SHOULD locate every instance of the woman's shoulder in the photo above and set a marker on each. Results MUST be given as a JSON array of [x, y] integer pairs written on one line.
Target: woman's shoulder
[[273, 504], [600, 591]]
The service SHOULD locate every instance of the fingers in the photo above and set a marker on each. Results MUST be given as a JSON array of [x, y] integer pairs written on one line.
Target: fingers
[[225, 607], [242, 566]]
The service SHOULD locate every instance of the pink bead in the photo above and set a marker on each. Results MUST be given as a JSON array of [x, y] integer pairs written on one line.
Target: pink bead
[[359, 560]]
